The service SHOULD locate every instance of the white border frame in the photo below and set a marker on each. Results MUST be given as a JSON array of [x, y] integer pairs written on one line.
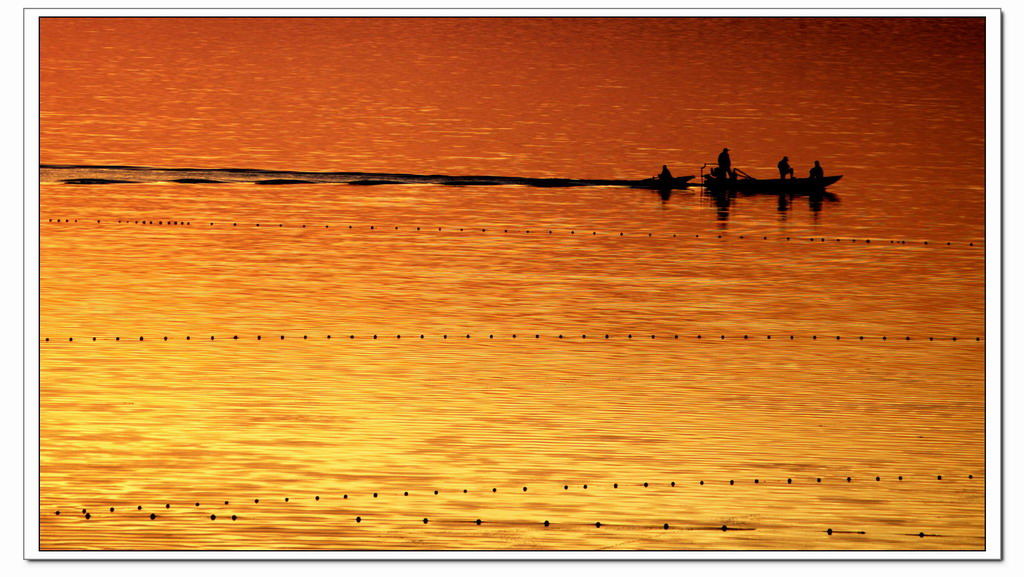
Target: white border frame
[[993, 264]]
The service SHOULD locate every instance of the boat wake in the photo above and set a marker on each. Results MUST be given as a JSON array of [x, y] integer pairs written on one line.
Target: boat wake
[[115, 174]]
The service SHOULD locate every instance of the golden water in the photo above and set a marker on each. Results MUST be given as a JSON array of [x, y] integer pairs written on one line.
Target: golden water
[[128, 422]]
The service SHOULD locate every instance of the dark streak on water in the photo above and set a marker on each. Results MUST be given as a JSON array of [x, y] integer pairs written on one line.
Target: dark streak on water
[[107, 174]]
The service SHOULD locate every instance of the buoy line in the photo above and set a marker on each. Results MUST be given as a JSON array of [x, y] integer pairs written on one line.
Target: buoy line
[[533, 231], [590, 337]]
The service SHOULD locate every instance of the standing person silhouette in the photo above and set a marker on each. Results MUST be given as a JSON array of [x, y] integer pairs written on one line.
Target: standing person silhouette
[[817, 171], [785, 168], [725, 164]]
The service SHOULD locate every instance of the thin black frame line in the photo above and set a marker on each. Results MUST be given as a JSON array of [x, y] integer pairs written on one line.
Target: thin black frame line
[[24, 281], [1002, 297], [1001, 270], [39, 347], [521, 9]]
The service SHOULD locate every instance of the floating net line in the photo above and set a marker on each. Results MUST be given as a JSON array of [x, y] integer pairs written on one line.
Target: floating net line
[[533, 231], [508, 336], [355, 510]]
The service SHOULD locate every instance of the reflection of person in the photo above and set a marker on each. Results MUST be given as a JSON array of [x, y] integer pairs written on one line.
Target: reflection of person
[[724, 164], [784, 168], [817, 171], [666, 175]]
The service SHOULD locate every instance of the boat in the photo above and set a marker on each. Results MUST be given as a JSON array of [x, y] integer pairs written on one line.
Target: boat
[[662, 184], [770, 185]]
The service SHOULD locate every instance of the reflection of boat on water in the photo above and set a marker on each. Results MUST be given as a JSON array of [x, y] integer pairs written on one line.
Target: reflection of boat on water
[[770, 185]]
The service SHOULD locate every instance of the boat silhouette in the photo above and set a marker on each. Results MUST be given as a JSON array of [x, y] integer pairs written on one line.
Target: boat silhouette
[[744, 183]]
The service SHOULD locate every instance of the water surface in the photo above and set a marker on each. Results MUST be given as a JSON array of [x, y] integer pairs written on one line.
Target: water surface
[[526, 337]]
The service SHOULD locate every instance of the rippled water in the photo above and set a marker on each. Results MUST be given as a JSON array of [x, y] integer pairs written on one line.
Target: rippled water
[[479, 340]]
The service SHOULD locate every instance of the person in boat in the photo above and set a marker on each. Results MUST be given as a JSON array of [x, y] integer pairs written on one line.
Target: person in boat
[[817, 171], [785, 168], [725, 165], [666, 174]]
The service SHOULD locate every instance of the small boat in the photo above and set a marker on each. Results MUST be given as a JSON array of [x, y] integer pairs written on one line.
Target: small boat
[[662, 184], [770, 185]]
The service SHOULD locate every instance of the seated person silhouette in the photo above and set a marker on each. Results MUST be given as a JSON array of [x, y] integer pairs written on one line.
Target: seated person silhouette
[[817, 171]]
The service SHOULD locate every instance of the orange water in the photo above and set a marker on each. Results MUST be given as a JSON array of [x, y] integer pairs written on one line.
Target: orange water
[[893, 105]]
